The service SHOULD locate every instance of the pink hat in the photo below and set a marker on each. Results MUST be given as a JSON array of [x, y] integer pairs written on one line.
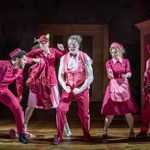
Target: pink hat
[[14, 52], [116, 44], [42, 38]]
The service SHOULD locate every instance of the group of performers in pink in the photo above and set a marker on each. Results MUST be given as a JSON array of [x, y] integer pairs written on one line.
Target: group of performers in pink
[[75, 76]]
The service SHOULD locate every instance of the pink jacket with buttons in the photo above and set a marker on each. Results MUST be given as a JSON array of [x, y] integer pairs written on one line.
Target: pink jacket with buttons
[[50, 61]]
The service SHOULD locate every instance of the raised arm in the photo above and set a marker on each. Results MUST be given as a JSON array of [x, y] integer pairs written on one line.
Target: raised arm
[[60, 51]]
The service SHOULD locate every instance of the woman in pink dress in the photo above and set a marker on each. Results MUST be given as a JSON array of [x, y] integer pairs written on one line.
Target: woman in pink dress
[[117, 100], [42, 80]]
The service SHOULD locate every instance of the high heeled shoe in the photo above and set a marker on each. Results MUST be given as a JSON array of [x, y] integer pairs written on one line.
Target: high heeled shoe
[[105, 135], [131, 135]]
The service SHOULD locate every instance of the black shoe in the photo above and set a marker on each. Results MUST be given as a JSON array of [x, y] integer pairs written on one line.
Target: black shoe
[[23, 139], [141, 135], [131, 135], [88, 138], [57, 141], [105, 136]]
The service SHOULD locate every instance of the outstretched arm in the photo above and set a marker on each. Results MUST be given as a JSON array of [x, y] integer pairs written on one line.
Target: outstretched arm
[[60, 51], [31, 56]]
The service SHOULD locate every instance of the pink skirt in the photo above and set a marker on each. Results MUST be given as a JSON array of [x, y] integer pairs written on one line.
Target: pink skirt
[[110, 107], [55, 98]]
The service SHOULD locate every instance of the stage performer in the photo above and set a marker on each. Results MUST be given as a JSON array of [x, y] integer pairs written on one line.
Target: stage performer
[[10, 71], [75, 76], [117, 100]]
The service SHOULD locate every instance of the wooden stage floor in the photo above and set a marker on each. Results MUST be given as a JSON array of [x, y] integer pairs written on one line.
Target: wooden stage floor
[[44, 132]]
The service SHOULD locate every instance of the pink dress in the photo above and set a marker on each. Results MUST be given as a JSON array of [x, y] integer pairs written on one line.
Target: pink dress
[[117, 100]]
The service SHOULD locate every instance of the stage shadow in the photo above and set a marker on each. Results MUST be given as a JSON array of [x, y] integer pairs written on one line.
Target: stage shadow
[[44, 138]]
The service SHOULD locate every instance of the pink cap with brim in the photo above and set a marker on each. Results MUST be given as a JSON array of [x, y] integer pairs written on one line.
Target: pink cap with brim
[[43, 38], [115, 44], [14, 52]]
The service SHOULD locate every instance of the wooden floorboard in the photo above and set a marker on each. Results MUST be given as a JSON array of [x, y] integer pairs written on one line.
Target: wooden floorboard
[[45, 131]]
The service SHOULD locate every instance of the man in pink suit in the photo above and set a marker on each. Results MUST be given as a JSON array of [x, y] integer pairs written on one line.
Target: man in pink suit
[[145, 118], [75, 76], [9, 71]]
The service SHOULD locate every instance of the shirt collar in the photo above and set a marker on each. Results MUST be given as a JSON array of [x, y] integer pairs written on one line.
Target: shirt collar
[[75, 55], [115, 60], [46, 54], [48, 51]]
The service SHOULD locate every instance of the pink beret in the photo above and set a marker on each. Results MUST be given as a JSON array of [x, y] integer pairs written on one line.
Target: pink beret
[[14, 52], [116, 44]]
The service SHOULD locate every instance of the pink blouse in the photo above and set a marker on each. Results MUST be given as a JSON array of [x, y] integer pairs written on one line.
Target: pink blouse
[[118, 67]]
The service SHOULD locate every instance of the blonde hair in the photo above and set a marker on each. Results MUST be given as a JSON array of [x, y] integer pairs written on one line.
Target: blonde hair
[[121, 50]]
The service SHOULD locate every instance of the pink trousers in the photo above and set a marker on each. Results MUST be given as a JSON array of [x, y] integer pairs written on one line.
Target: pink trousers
[[83, 111], [9, 100]]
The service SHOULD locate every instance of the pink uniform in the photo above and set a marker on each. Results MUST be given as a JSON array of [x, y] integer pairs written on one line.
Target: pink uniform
[[75, 79], [7, 76], [42, 79], [145, 119], [117, 99]]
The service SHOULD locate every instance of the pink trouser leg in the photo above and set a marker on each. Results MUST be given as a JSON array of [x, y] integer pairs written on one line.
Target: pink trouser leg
[[62, 109], [8, 99], [83, 111], [145, 117]]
